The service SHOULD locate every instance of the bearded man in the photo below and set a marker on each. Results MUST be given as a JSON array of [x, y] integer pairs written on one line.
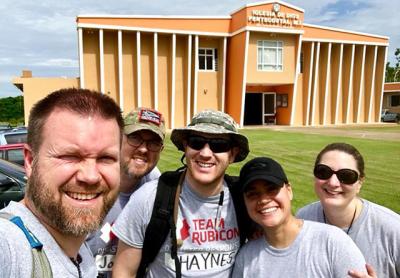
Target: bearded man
[[142, 143], [72, 161]]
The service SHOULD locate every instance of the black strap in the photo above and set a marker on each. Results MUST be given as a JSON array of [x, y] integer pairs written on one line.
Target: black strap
[[161, 219]]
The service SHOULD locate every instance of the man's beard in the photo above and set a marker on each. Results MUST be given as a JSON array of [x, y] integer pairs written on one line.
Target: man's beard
[[134, 177], [66, 219]]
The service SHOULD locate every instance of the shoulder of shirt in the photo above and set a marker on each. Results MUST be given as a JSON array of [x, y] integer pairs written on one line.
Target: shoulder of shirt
[[384, 214], [309, 207]]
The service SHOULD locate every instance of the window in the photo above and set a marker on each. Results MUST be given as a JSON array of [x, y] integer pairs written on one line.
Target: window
[[395, 100], [282, 100], [269, 55], [208, 59]]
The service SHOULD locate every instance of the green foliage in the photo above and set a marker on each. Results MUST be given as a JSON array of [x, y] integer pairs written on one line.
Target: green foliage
[[12, 110], [393, 73], [297, 151]]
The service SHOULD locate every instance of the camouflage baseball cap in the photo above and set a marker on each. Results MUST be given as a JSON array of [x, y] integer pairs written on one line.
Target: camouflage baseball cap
[[212, 122], [145, 119]]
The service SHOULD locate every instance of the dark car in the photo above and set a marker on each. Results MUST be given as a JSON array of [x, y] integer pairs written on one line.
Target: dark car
[[12, 182], [13, 153]]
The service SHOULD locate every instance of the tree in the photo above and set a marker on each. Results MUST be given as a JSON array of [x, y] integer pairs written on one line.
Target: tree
[[393, 73], [12, 110]]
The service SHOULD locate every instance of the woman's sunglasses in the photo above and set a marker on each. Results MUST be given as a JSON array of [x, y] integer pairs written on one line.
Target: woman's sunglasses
[[345, 176], [216, 145]]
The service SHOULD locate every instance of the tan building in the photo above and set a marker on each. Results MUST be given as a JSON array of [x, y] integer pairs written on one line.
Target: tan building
[[262, 64], [391, 97]]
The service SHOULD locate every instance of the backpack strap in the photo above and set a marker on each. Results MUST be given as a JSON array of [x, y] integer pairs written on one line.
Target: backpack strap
[[40, 264], [245, 224], [161, 221]]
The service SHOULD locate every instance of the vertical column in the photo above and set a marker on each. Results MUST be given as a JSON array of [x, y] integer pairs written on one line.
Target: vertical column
[[361, 87], [81, 65], [138, 70], [296, 77], [173, 81], [310, 84], [246, 47], [327, 82], [371, 93], [339, 85], [155, 63], [350, 94], [196, 70], [101, 47], [120, 72], [189, 82], [383, 82], [223, 75], [315, 89]]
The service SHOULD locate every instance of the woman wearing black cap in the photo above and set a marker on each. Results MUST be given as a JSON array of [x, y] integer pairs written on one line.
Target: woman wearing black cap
[[290, 247], [339, 175]]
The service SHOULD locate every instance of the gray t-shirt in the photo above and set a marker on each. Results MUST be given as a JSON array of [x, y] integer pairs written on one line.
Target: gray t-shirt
[[319, 250], [376, 232], [207, 250], [16, 254], [103, 243]]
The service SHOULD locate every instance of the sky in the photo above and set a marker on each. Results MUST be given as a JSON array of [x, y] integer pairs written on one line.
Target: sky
[[41, 36]]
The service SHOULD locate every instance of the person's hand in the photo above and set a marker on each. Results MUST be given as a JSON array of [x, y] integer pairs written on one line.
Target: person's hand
[[358, 274]]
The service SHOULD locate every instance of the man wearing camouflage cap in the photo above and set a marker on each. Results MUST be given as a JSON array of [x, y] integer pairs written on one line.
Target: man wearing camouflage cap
[[142, 143], [207, 215]]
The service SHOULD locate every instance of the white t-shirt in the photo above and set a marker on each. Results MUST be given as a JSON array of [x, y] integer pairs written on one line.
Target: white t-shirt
[[208, 250], [16, 253]]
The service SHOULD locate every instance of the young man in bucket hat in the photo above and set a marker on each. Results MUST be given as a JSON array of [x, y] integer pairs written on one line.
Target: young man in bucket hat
[[142, 143], [204, 231]]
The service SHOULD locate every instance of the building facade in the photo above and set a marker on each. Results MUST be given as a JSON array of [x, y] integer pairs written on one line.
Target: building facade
[[261, 64], [391, 97]]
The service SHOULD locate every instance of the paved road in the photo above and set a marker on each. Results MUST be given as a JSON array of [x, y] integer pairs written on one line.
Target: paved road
[[354, 131]]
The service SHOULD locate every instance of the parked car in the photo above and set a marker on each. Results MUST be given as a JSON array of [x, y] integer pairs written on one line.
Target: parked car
[[388, 116], [13, 153], [12, 182], [13, 137]]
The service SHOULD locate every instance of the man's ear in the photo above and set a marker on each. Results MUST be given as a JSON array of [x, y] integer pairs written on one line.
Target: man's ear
[[28, 159], [234, 152]]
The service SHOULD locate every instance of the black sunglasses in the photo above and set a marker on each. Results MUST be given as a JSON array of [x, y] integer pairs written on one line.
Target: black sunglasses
[[345, 176], [216, 145]]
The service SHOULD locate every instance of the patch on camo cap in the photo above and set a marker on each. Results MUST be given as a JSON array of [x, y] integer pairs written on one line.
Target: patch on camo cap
[[145, 119]]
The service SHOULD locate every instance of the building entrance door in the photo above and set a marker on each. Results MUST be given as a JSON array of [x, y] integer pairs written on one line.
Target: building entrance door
[[269, 108]]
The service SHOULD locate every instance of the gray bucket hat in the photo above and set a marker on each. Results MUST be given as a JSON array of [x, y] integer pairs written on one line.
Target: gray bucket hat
[[212, 122]]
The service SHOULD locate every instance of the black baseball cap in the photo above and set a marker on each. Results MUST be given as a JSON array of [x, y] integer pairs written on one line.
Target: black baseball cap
[[262, 168]]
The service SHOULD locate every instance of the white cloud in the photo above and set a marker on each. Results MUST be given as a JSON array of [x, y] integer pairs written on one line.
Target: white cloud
[[41, 35]]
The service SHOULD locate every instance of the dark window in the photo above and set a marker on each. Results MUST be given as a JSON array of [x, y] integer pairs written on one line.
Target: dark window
[[395, 100]]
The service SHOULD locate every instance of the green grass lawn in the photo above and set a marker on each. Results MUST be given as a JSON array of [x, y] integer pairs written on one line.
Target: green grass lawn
[[297, 151]]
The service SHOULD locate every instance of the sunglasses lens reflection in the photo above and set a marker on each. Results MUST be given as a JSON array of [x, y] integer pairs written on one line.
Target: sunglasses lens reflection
[[345, 176], [216, 145]]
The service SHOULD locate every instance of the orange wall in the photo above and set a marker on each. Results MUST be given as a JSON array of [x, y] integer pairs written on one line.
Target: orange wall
[[129, 70], [208, 94], [36, 88], [111, 87], [91, 59], [234, 80], [274, 77], [188, 24], [321, 33]]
